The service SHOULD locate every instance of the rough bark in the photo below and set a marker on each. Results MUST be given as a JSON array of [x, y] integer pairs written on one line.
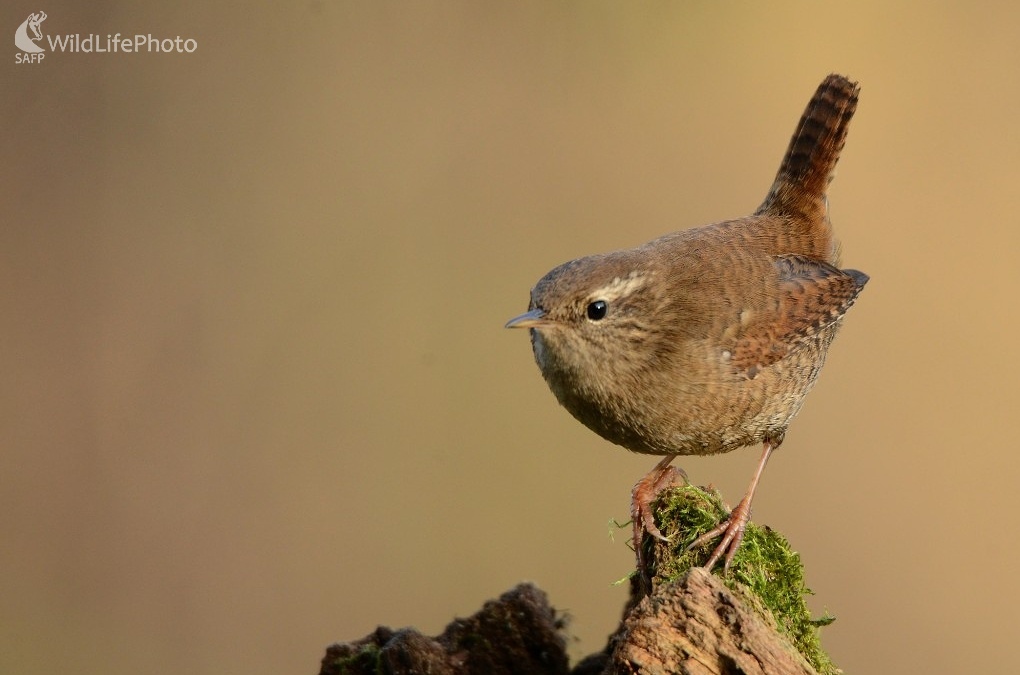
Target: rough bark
[[518, 634], [694, 626], [697, 626]]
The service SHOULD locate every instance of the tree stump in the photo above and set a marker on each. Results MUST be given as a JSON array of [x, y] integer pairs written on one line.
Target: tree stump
[[754, 622]]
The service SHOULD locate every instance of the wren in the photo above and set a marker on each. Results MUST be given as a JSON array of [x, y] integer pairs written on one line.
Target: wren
[[707, 339]]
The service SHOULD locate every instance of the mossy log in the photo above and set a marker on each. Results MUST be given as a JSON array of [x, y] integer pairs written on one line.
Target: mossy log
[[752, 622]]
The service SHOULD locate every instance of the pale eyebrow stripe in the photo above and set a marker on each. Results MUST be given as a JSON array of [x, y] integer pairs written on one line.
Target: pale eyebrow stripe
[[620, 286]]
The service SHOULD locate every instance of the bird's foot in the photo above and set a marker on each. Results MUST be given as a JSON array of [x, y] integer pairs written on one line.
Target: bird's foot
[[732, 531], [644, 493]]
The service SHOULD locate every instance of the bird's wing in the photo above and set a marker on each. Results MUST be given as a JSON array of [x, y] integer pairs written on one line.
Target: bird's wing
[[812, 295]]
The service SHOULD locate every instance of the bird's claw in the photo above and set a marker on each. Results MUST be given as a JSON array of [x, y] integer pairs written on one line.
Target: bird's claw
[[732, 531]]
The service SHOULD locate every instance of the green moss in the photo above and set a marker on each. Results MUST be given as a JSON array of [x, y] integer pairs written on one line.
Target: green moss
[[765, 569]]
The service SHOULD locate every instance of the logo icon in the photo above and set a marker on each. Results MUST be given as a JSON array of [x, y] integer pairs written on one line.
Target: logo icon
[[26, 42]]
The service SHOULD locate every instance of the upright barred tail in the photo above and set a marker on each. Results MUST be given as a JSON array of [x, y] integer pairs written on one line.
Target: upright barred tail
[[807, 168]]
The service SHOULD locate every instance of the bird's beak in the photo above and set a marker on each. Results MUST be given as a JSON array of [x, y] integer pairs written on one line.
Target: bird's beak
[[533, 319]]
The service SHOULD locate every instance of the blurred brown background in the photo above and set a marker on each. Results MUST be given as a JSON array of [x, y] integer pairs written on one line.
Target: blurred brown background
[[257, 396]]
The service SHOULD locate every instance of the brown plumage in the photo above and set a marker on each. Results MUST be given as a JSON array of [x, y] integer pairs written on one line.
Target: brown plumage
[[707, 339]]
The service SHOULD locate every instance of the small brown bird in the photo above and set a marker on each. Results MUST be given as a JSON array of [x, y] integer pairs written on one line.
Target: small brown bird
[[706, 340]]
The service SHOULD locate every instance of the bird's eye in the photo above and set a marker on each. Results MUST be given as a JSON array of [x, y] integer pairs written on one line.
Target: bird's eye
[[597, 310]]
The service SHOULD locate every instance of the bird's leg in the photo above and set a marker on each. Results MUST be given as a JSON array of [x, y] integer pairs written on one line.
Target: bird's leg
[[645, 491], [732, 529]]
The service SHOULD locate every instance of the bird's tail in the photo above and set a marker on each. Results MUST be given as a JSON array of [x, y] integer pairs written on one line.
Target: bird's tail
[[807, 168]]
